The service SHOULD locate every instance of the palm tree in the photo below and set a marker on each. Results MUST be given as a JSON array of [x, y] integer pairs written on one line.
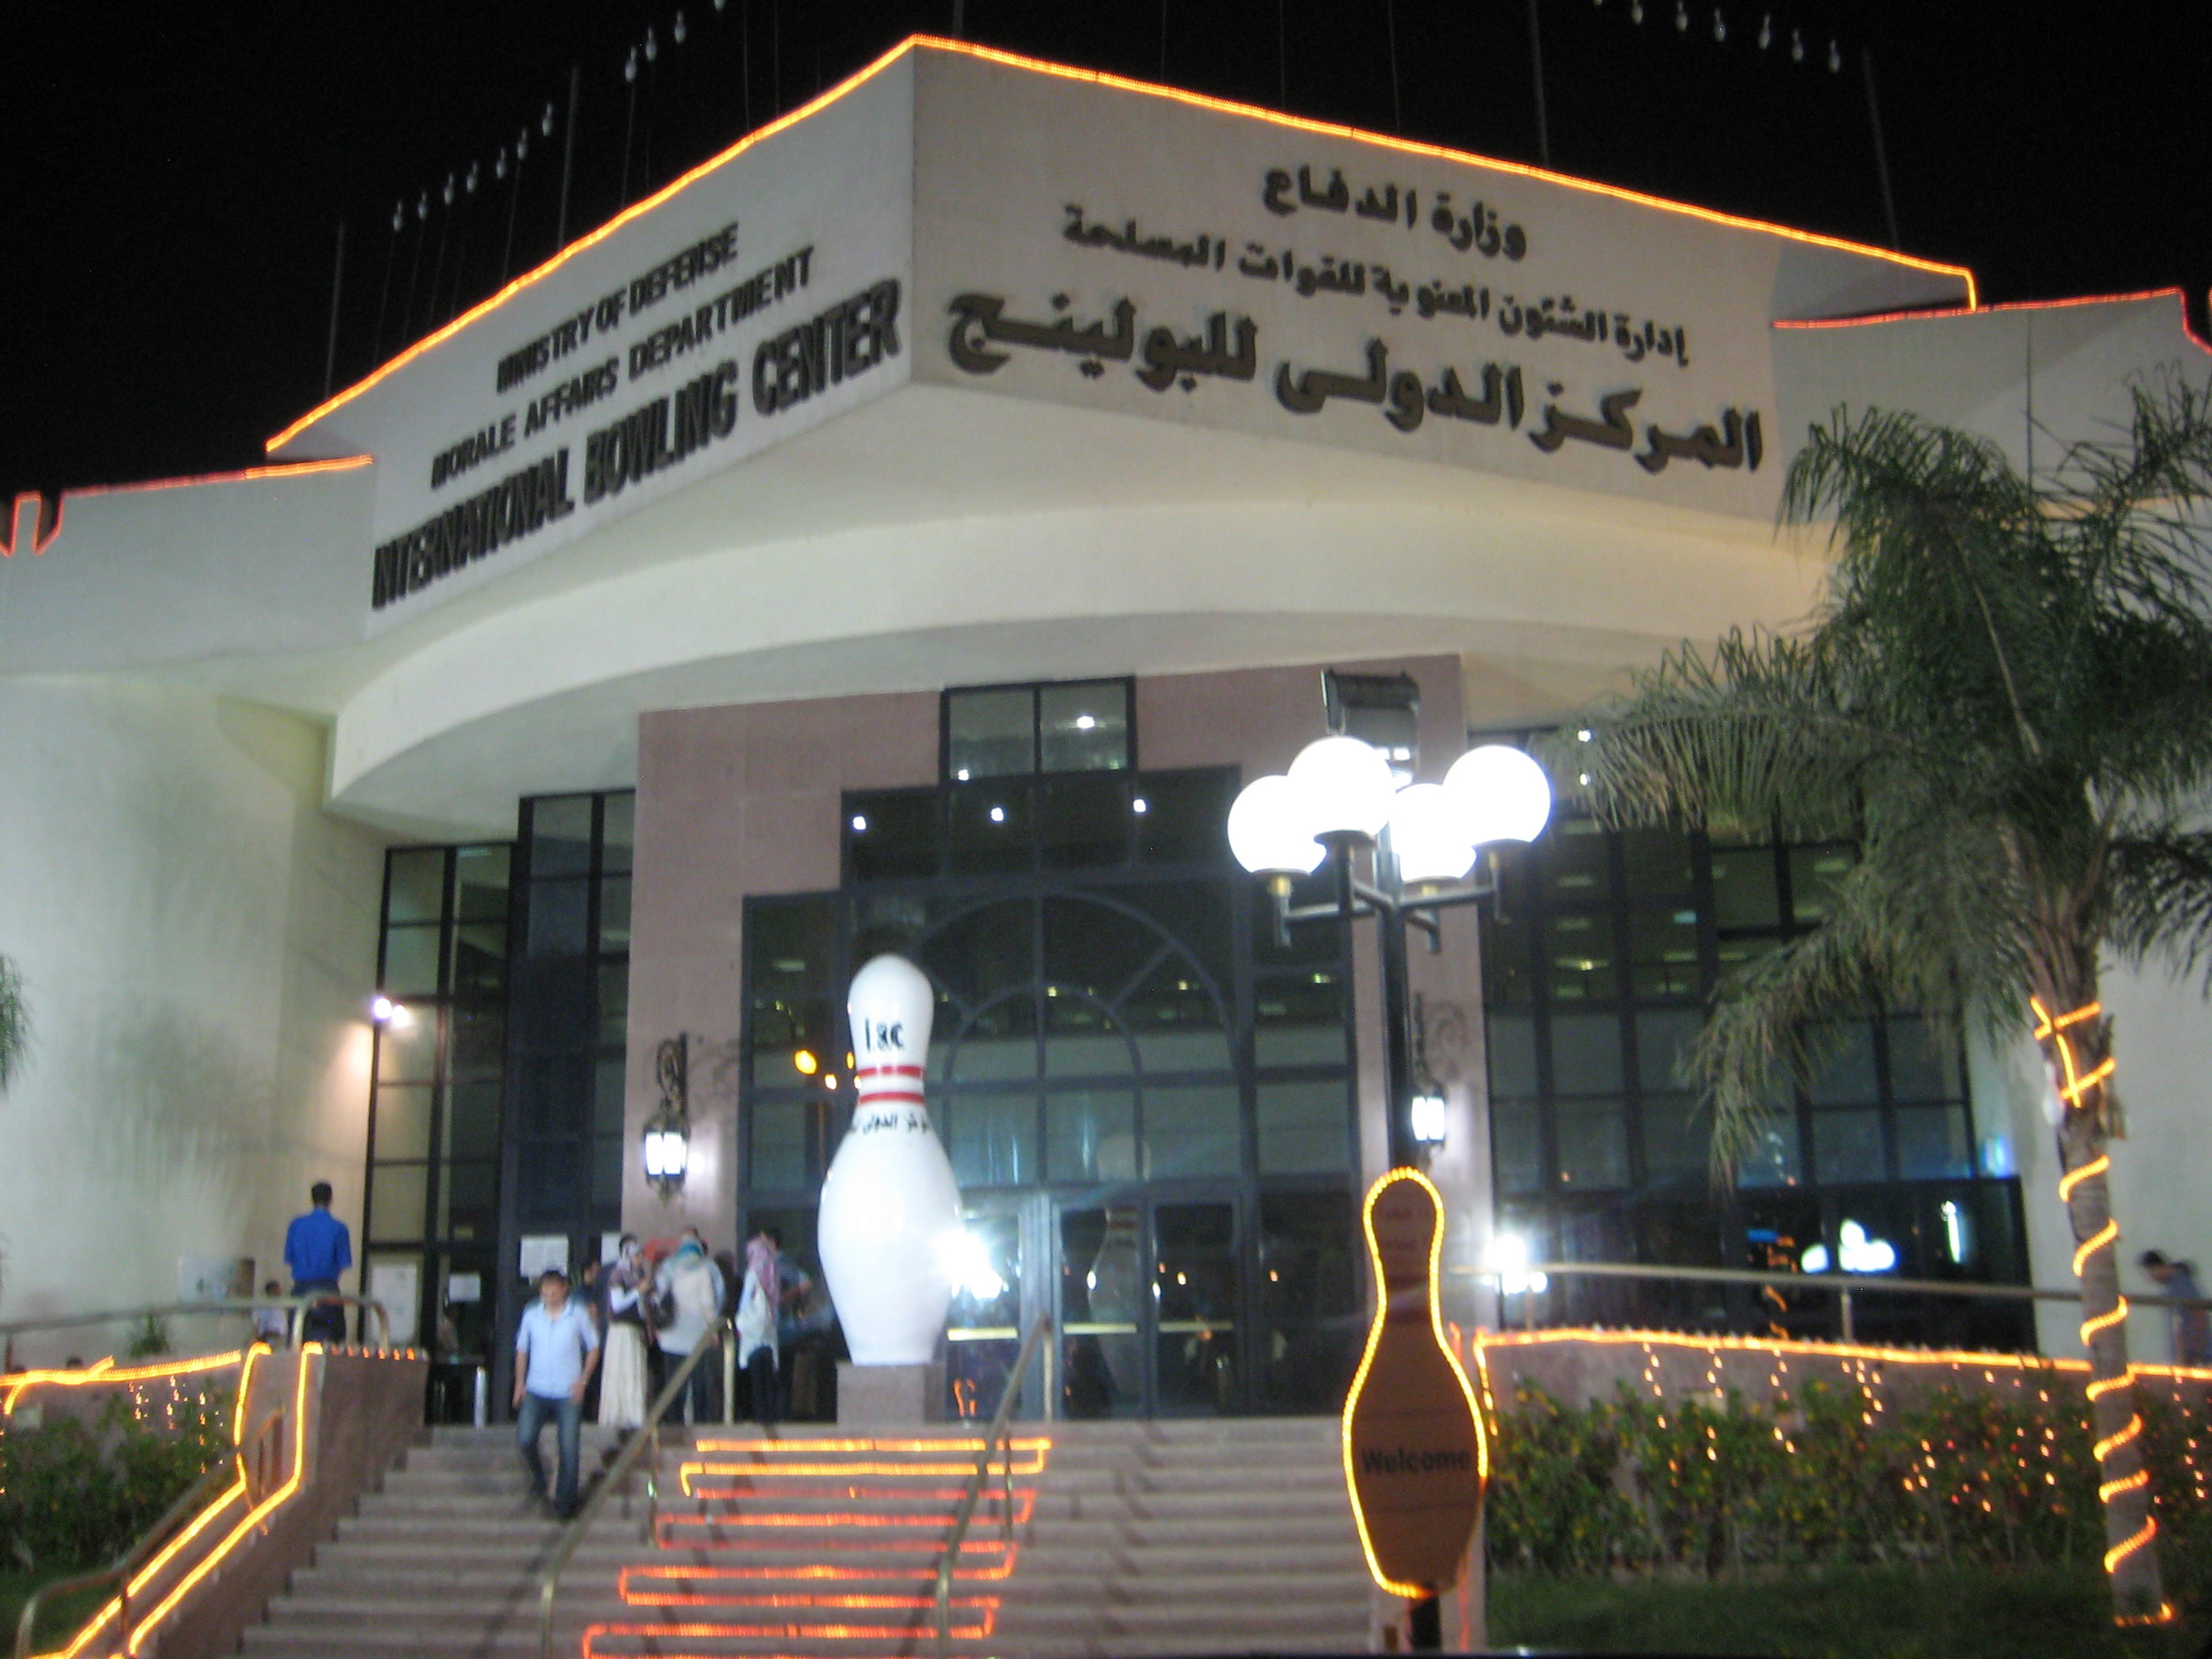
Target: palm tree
[[2001, 696], [15, 1023]]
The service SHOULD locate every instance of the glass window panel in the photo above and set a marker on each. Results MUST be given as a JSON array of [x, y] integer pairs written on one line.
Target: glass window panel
[[1191, 1129], [468, 1202], [778, 1145], [1084, 726], [990, 829], [984, 951], [606, 1171], [410, 961], [1096, 947], [990, 733], [560, 912], [1662, 953], [1655, 863], [1177, 1025], [403, 1121], [1517, 1145], [1843, 1072], [550, 1183], [472, 1120], [1091, 1135], [553, 1095], [995, 1140], [614, 1003], [1512, 1040], [417, 892], [1678, 1140], [1304, 1127], [1311, 1281], [480, 1036], [1738, 955], [1194, 1297], [790, 955], [1745, 892], [894, 835], [1586, 1054], [1001, 1042], [1847, 1147], [1300, 1021], [407, 1047], [1084, 823], [614, 914], [1773, 1159], [479, 958], [1663, 1048], [1813, 872], [1580, 959], [398, 1200], [480, 878], [1185, 817], [1592, 1144], [1082, 1039], [607, 1097], [1933, 1141], [618, 832], [1507, 980], [1923, 1060], [560, 835], [1575, 861]]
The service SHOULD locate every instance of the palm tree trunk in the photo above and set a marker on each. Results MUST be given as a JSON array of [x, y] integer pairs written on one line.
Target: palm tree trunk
[[2077, 1039]]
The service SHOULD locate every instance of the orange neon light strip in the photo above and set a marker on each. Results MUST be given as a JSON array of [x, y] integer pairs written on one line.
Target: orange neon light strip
[[104, 1370], [997, 1572], [43, 539], [727, 1632], [1023, 1502], [1367, 1361], [777, 1447], [1119, 83], [1970, 310], [1482, 1341], [743, 1473]]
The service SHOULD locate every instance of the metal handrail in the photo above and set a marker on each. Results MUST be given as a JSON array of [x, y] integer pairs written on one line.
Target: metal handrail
[[650, 1434], [296, 1305], [128, 1562], [957, 1534], [1845, 1286]]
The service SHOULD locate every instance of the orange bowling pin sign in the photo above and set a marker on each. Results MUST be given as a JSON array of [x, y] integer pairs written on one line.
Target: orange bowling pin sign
[[1414, 1456]]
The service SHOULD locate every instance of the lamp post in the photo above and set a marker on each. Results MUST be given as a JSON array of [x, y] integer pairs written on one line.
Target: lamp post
[[1342, 805]]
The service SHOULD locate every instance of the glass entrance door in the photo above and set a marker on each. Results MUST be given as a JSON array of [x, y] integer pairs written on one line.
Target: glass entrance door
[[1151, 1300]]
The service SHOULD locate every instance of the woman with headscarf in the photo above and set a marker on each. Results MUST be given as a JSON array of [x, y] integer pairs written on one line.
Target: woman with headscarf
[[756, 1307], [629, 1288]]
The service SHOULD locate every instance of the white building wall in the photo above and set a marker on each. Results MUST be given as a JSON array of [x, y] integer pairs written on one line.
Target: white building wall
[[197, 939]]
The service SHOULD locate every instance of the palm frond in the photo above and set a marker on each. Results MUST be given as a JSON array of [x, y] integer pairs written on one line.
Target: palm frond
[[2159, 894], [15, 1023]]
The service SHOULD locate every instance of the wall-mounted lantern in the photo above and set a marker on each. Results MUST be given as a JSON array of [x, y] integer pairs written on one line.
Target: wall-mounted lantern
[[667, 1145]]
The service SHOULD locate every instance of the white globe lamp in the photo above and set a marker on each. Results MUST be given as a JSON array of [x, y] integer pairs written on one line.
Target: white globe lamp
[[1345, 788], [1268, 829], [1503, 793], [1429, 834]]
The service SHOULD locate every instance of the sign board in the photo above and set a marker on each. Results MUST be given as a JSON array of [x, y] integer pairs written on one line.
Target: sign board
[[396, 1282], [1414, 1456], [542, 1253]]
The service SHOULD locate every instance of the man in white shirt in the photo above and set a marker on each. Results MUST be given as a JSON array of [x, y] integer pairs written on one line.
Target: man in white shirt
[[555, 1352]]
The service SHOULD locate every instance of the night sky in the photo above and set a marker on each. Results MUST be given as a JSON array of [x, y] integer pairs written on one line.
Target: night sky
[[173, 179]]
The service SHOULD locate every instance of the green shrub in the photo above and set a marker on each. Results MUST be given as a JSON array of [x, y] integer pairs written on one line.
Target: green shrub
[[75, 1495], [1716, 1485]]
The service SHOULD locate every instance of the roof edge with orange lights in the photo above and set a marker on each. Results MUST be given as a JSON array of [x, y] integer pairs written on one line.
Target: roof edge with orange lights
[[1119, 83], [2175, 293], [1816, 1350]]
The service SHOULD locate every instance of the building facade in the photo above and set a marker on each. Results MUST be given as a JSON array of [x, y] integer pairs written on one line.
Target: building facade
[[908, 532]]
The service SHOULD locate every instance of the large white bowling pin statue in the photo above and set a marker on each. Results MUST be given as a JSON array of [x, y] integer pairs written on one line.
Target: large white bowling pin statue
[[889, 1205]]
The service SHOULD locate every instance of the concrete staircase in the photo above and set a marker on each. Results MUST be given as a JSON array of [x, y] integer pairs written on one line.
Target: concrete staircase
[[1129, 1538]]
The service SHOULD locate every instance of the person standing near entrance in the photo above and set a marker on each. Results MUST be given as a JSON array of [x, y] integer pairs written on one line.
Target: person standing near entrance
[[318, 1248], [757, 1307], [628, 1288], [556, 1350], [695, 1298]]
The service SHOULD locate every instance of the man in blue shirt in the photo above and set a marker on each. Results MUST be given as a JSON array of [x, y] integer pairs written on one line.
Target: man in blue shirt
[[556, 1351], [318, 1248]]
